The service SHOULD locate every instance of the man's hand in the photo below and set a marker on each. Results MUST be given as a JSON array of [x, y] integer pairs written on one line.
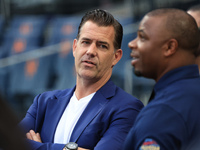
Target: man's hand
[[79, 148], [31, 135]]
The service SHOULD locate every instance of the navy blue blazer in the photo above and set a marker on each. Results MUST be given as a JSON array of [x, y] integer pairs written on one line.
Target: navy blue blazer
[[103, 125]]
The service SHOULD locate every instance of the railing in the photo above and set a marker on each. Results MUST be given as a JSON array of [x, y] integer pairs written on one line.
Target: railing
[[48, 50]]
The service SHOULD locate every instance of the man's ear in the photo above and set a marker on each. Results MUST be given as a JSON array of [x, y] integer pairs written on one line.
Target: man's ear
[[171, 47], [117, 56], [74, 46]]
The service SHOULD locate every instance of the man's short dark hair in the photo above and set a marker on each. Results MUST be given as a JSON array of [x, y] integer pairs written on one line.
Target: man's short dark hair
[[103, 18], [182, 27]]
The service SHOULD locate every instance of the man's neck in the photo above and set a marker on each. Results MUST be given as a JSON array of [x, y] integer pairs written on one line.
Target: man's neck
[[85, 88]]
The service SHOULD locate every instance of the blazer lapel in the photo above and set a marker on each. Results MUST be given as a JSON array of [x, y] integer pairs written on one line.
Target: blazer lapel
[[55, 110], [97, 103]]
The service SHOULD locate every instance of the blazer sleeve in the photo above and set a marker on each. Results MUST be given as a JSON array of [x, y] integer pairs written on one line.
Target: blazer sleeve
[[35, 116], [29, 120], [44, 146]]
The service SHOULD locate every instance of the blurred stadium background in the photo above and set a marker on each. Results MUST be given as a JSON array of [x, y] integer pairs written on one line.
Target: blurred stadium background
[[36, 50]]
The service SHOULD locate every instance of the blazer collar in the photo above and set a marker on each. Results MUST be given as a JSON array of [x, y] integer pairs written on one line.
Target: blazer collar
[[97, 103], [108, 90], [61, 100], [56, 108]]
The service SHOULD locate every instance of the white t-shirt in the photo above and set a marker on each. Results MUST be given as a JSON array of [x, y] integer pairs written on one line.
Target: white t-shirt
[[70, 117]]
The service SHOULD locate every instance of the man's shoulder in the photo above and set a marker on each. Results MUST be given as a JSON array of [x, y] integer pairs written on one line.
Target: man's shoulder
[[53, 95], [125, 98], [56, 92], [122, 93]]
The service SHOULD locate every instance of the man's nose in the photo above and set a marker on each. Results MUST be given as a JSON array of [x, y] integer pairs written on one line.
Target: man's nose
[[132, 44], [92, 49]]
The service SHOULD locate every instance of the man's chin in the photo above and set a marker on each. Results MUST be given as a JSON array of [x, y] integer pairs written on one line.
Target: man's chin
[[137, 73]]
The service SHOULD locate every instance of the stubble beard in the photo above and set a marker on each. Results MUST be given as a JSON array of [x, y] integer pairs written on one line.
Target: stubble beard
[[137, 73]]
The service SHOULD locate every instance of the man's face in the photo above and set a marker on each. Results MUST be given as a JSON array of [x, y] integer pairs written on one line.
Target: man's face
[[94, 52], [147, 48]]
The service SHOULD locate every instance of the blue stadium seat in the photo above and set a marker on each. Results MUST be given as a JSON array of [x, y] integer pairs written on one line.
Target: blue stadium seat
[[65, 70], [119, 69], [62, 27], [63, 30], [27, 79], [27, 25], [126, 20], [64, 66], [23, 32]]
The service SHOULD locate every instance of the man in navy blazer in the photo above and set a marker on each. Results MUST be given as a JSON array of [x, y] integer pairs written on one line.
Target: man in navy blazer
[[109, 112]]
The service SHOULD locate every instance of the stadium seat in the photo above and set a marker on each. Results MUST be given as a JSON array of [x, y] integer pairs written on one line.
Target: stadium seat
[[62, 27], [63, 30], [27, 79], [27, 25], [119, 69], [126, 20], [23, 31]]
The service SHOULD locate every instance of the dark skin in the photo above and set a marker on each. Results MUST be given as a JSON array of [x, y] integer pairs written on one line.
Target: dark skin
[[154, 54]]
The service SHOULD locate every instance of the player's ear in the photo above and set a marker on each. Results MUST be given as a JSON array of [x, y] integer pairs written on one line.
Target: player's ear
[[117, 56], [171, 47], [74, 46]]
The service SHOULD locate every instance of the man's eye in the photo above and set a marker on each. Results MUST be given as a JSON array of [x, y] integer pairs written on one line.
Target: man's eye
[[104, 46], [85, 42], [142, 37]]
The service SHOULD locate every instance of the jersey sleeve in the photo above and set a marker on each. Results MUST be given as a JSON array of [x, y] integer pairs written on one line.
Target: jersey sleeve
[[161, 124]]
